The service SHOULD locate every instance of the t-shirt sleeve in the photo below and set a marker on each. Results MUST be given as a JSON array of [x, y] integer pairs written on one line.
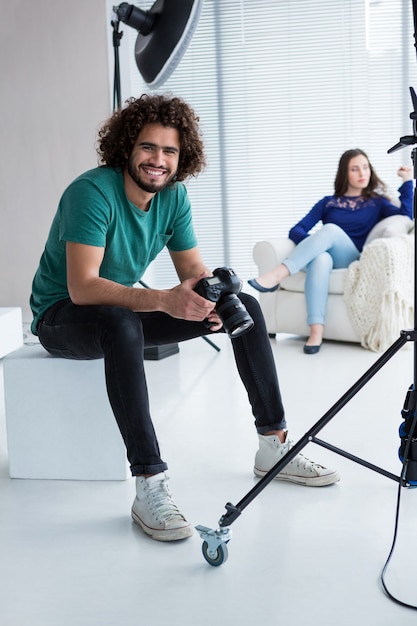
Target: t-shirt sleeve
[[84, 214]]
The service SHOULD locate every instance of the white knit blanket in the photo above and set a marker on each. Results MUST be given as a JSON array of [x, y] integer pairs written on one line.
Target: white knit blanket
[[379, 291]]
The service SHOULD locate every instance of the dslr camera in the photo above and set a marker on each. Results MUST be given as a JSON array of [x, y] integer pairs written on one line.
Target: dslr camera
[[222, 288]]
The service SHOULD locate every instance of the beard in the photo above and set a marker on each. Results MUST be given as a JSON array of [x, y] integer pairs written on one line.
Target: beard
[[148, 187]]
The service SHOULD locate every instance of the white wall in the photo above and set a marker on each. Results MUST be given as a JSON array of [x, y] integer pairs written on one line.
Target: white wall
[[54, 94]]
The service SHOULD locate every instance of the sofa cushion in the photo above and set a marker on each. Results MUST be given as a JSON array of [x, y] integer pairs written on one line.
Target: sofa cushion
[[390, 227], [296, 282]]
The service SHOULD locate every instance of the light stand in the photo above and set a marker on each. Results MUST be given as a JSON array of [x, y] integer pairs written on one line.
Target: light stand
[[117, 92], [165, 32], [214, 541]]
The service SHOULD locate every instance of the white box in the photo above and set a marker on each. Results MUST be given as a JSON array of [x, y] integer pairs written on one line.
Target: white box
[[58, 419], [11, 333]]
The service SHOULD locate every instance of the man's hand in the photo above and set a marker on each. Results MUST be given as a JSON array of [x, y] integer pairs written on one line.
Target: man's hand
[[182, 302], [86, 286], [214, 321]]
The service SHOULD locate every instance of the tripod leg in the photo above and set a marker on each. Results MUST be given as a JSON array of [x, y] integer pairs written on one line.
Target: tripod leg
[[211, 343], [234, 511]]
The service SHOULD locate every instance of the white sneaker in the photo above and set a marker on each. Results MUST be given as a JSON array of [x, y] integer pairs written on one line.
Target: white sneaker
[[155, 511], [300, 470]]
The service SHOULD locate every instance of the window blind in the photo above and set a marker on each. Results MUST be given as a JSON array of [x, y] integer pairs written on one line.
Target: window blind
[[282, 89]]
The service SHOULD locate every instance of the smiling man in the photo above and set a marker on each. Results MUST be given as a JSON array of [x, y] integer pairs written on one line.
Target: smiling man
[[111, 222], [141, 174]]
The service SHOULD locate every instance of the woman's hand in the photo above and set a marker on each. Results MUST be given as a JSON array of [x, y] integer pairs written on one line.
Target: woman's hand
[[405, 172]]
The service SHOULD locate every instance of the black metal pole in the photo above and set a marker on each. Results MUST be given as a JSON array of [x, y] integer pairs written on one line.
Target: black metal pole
[[117, 98]]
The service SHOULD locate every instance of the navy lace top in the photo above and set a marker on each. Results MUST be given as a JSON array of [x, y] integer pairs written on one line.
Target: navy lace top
[[356, 215]]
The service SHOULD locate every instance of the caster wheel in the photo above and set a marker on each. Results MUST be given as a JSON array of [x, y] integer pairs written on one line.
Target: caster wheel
[[215, 558]]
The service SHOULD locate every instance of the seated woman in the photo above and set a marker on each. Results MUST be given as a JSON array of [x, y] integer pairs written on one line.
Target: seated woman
[[359, 202]]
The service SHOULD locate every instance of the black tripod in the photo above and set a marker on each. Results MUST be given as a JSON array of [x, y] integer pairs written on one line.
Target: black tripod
[[214, 544]]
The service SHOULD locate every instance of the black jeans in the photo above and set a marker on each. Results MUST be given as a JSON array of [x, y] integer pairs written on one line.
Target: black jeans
[[120, 336]]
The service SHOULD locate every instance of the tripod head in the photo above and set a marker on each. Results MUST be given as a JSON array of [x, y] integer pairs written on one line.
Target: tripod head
[[408, 140]]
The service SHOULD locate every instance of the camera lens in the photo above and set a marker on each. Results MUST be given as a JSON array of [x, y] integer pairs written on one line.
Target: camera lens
[[232, 312]]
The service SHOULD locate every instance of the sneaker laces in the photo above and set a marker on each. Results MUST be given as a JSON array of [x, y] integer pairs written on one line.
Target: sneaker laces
[[161, 502], [300, 460]]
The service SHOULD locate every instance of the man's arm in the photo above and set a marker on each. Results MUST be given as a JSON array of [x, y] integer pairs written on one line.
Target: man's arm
[[86, 286], [189, 264]]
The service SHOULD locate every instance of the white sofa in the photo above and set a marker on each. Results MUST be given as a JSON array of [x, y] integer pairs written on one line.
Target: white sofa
[[285, 309]]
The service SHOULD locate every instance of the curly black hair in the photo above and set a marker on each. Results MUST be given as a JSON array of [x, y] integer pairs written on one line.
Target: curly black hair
[[119, 133]]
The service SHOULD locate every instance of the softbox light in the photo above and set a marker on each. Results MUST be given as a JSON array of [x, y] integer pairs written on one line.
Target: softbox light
[[165, 32]]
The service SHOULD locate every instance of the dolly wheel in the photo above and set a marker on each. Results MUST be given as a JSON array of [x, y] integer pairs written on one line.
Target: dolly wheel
[[215, 558]]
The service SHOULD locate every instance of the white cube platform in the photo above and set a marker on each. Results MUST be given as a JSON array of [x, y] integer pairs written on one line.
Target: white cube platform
[[11, 334], [58, 419]]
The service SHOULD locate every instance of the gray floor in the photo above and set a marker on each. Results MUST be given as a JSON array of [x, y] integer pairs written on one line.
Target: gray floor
[[70, 556]]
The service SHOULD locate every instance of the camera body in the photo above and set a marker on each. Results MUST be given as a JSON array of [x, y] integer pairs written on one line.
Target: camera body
[[223, 281], [222, 288]]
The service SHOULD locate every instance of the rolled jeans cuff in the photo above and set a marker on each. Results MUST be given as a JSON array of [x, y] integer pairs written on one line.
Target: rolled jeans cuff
[[143, 470], [262, 430]]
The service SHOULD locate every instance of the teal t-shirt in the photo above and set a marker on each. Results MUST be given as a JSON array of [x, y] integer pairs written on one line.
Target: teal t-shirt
[[94, 210]]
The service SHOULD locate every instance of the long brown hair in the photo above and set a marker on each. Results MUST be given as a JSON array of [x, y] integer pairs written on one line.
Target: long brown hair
[[376, 186]]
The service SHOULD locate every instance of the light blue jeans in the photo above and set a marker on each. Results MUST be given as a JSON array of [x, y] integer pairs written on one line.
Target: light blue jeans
[[328, 248]]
